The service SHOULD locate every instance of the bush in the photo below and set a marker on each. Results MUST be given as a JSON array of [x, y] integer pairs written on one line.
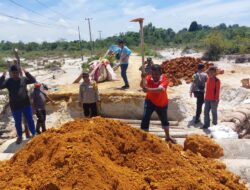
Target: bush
[[214, 47]]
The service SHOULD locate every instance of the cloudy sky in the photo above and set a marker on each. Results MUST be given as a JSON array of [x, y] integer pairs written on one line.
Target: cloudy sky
[[58, 19]]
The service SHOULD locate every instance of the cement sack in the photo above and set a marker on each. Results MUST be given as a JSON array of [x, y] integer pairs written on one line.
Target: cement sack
[[247, 101], [224, 135], [231, 125], [234, 117], [244, 111], [111, 73], [222, 132]]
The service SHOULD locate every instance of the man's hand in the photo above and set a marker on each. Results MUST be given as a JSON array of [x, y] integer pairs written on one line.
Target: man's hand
[[80, 104], [145, 89], [191, 94], [24, 70], [4, 74]]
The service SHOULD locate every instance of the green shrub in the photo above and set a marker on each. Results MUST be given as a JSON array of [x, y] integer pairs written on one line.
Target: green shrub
[[214, 46]]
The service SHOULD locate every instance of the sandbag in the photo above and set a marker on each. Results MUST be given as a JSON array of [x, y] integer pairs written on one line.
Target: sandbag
[[111, 73], [231, 125], [222, 132], [244, 111], [235, 116]]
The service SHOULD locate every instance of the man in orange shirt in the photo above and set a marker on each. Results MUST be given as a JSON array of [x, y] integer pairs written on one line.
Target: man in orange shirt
[[156, 100], [211, 97]]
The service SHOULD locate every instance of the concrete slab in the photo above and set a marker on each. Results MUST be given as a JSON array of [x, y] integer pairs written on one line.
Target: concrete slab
[[235, 148], [10, 146], [240, 167], [5, 156]]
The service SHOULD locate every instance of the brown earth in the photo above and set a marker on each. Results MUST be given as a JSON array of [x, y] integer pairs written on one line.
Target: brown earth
[[183, 68], [203, 145], [106, 154]]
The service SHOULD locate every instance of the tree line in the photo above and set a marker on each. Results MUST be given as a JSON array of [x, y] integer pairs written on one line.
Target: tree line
[[232, 39]]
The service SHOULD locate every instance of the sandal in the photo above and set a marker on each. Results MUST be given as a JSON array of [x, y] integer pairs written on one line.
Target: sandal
[[171, 140]]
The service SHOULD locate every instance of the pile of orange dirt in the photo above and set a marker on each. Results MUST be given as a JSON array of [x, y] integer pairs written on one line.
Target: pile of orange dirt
[[183, 68], [106, 154], [203, 145]]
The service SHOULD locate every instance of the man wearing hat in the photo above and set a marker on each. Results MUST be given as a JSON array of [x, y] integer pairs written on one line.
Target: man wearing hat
[[19, 99], [198, 89], [38, 98]]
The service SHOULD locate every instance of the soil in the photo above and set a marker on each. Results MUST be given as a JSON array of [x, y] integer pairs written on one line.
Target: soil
[[203, 145], [106, 154]]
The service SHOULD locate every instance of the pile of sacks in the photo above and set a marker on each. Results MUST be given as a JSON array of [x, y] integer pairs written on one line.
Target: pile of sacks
[[183, 68], [234, 124], [101, 71]]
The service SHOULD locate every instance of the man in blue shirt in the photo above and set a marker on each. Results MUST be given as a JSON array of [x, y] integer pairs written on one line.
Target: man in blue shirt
[[124, 53]]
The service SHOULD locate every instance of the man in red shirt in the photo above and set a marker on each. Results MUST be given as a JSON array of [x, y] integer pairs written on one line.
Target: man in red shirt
[[211, 97], [156, 99]]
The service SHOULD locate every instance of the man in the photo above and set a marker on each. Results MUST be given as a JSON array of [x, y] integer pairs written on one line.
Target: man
[[148, 64], [88, 96], [124, 53], [19, 99], [39, 98], [198, 89], [212, 97], [156, 99]]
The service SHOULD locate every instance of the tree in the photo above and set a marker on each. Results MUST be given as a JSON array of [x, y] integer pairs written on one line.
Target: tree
[[214, 45], [194, 27]]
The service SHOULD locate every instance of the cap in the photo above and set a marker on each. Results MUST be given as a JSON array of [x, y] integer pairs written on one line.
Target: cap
[[200, 66], [37, 85], [13, 68]]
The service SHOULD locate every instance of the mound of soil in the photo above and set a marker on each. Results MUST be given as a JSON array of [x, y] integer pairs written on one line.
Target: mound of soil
[[203, 145], [106, 154]]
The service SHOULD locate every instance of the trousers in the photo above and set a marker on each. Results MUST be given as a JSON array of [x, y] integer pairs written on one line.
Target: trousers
[[124, 68], [90, 110], [149, 108], [210, 106], [17, 114], [200, 101]]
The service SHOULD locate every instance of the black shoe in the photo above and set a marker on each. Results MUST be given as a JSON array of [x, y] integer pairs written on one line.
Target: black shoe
[[204, 127], [197, 121], [125, 87], [19, 140]]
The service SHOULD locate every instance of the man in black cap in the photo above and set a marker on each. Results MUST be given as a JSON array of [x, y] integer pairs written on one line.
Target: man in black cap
[[198, 89], [19, 99]]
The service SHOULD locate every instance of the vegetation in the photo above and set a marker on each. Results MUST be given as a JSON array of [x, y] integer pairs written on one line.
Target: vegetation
[[215, 41]]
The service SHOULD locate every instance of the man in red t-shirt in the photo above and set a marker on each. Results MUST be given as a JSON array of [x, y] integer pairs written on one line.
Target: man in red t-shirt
[[156, 100], [212, 96]]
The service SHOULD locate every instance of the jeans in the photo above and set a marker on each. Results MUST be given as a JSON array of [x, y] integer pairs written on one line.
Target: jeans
[[90, 110], [41, 118], [210, 105], [124, 68], [17, 114], [199, 103], [149, 108]]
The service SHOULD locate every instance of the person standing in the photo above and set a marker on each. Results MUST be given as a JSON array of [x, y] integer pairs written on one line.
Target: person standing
[[148, 64], [88, 96], [198, 89], [156, 100], [124, 53], [212, 96], [19, 99], [38, 98]]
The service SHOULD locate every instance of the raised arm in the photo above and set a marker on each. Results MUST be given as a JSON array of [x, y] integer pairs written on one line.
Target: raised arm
[[3, 83], [29, 78]]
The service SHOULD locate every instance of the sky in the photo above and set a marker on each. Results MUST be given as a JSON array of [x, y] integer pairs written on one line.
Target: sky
[[58, 19]]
